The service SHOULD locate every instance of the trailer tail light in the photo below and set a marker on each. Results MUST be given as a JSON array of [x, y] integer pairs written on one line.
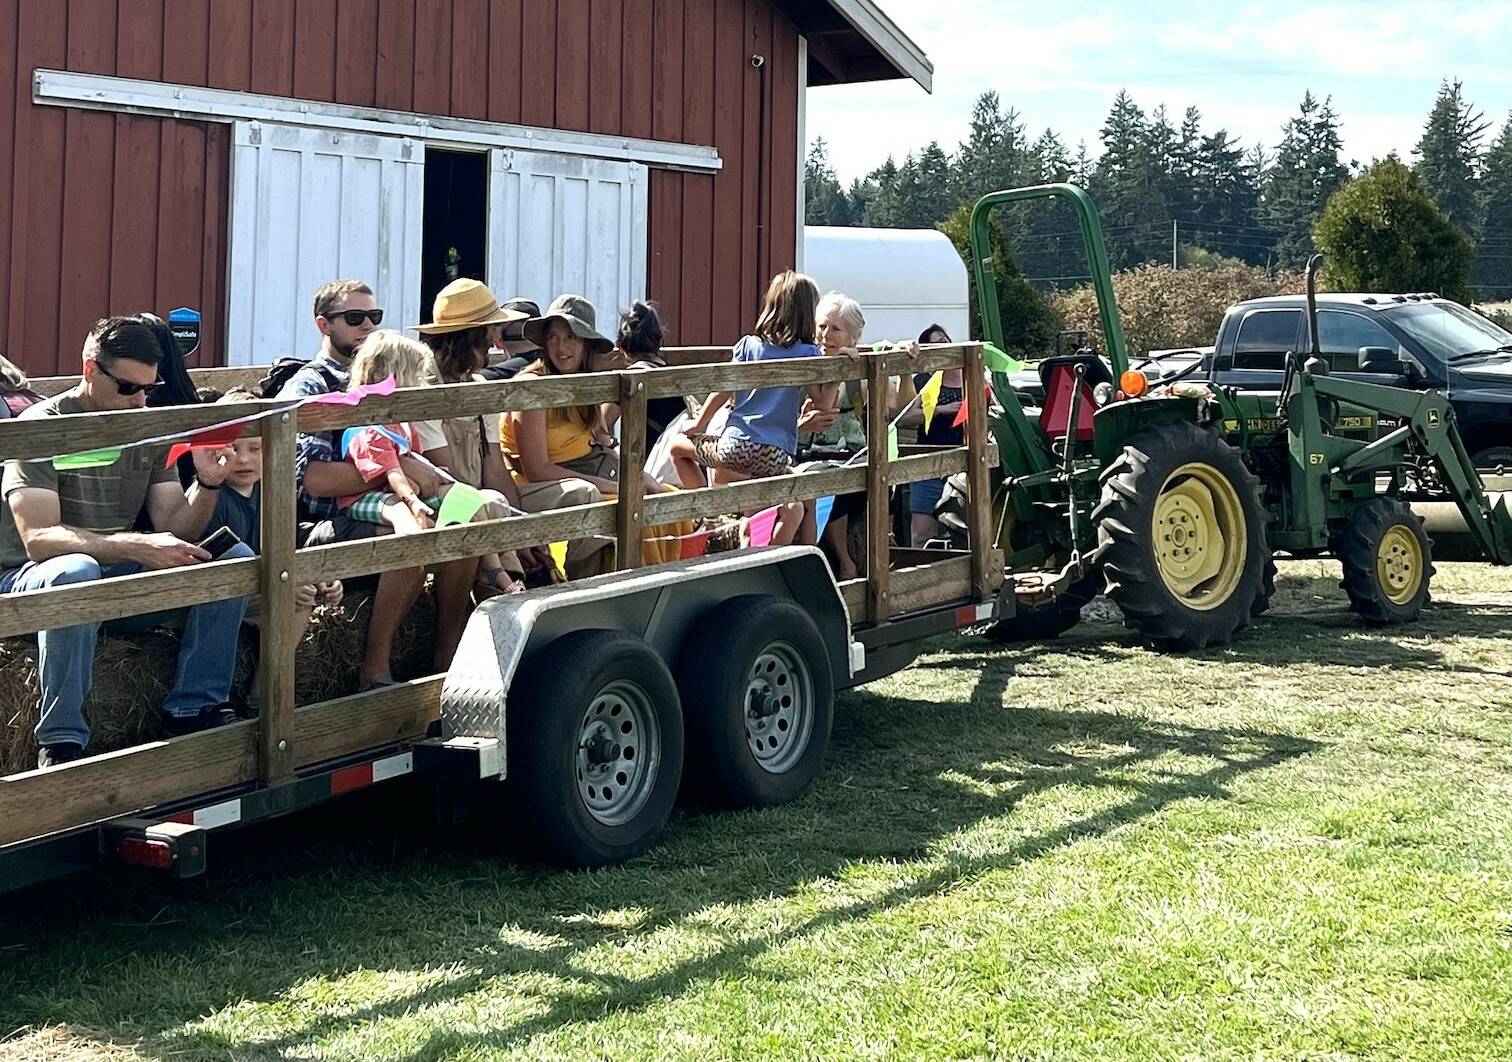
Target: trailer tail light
[[145, 852]]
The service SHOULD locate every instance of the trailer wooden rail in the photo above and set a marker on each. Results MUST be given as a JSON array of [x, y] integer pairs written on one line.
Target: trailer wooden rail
[[285, 739]]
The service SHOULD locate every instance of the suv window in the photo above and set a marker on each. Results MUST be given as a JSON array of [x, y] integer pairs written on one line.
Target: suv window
[[1264, 338], [1342, 333]]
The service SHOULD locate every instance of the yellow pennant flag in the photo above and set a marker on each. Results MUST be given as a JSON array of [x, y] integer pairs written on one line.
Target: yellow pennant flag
[[559, 555], [929, 397]]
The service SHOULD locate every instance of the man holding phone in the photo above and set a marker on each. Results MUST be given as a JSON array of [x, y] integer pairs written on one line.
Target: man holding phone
[[73, 525]]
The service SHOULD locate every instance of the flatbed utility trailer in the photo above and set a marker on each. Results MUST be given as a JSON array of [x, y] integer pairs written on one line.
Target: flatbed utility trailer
[[721, 668]]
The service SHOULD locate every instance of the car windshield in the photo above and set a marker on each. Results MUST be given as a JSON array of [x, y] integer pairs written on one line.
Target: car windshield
[[1449, 331]]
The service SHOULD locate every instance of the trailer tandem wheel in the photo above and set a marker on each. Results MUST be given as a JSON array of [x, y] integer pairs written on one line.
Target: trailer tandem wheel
[[759, 691], [596, 750]]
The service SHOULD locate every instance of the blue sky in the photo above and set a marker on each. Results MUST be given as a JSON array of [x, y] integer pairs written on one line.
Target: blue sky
[[1244, 65]]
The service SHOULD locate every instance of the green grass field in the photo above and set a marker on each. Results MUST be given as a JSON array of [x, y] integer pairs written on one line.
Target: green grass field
[[1299, 847]]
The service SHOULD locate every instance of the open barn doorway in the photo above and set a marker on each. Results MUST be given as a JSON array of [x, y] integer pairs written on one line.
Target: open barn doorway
[[454, 229]]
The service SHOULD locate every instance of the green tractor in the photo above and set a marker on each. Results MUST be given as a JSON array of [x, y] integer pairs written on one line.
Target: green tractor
[[1172, 497]]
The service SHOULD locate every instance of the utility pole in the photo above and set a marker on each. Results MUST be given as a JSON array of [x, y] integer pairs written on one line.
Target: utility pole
[[1174, 262]]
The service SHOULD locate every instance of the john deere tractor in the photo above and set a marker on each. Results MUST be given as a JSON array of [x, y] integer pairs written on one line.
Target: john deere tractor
[[1171, 494]]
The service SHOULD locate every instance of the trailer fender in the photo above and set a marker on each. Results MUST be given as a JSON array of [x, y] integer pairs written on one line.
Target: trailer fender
[[658, 605]]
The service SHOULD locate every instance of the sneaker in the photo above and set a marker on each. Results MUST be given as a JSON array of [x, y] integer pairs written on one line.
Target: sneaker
[[207, 719], [62, 752], [220, 715]]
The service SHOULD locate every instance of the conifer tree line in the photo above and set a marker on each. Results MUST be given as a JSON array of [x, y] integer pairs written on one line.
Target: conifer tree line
[[1157, 176]]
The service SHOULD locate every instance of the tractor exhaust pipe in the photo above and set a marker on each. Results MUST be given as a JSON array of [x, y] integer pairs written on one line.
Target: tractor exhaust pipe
[[1314, 264]]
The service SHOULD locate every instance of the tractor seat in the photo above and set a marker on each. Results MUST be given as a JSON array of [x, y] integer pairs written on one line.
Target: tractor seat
[[1058, 378]]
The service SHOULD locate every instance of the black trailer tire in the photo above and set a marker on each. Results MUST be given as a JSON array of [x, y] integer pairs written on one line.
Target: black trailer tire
[[1030, 624], [756, 680], [1181, 537], [595, 748], [1388, 562]]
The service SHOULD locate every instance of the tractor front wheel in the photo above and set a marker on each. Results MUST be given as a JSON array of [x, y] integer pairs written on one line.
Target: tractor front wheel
[[1181, 537], [1387, 561]]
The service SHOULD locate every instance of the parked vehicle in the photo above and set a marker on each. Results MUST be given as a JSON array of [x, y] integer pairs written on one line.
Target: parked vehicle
[[1416, 342]]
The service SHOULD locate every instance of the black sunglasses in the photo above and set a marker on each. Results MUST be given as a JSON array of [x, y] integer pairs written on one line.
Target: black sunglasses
[[127, 387], [353, 318]]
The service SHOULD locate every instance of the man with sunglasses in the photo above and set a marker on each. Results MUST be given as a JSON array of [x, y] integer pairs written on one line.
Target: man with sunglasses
[[345, 315], [73, 525]]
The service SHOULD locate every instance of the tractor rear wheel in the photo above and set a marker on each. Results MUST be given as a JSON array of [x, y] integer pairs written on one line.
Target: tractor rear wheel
[[1388, 562], [1181, 537]]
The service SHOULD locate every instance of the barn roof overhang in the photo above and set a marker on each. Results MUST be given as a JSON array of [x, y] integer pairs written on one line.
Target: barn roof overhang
[[851, 41]]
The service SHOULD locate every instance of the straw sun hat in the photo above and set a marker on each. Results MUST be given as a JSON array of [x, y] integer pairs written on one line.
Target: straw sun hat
[[465, 304]]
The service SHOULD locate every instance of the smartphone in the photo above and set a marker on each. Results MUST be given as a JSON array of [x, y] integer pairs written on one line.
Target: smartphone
[[217, 544]]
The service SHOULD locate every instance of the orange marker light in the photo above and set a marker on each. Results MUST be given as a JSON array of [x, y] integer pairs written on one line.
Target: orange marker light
[[1133, 383]]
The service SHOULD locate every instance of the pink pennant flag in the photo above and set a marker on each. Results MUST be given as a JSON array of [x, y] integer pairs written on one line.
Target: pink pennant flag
[[762, 525], [356, 394], [694, 545], [210, 439]]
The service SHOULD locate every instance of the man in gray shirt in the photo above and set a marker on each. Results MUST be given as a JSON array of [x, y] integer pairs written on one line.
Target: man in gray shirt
[[73, 525]]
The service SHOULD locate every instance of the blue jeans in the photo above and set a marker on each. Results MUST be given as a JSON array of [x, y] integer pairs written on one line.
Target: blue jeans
[[207, 649]]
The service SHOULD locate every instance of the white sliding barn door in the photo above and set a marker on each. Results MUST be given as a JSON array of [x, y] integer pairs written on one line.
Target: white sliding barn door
[[311, 205], [567, 224]]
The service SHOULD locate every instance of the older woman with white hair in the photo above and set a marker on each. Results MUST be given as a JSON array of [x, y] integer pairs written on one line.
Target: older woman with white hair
[[836, 427]]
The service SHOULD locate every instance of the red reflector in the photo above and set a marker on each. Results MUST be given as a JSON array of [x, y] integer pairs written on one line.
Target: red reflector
[[965, 616], [349, 778], [186, 817], [142, 852]]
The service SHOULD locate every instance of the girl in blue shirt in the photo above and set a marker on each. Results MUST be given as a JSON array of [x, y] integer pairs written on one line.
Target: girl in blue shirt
[[760, 435]]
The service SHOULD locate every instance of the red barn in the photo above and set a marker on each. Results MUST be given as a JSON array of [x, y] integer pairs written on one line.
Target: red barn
[[229, 156]]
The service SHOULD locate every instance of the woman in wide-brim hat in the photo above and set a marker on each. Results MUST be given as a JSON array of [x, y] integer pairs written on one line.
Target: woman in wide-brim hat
[[465, 323]]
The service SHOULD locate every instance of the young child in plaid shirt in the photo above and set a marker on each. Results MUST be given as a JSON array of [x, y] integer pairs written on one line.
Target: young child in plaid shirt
[[376, 449]]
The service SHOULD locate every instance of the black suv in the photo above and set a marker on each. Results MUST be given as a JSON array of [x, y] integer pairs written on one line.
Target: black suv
[[1413, 341]]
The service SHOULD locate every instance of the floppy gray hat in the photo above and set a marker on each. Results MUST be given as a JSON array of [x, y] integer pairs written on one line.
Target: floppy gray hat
[[578, 314]]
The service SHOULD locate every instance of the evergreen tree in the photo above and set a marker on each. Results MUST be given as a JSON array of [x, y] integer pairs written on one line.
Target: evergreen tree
[[1307, 170], [825, 202], [1383, 232], [1448, 152], [1225, 201], [1493, 260], [1125, 185], [934, 201], [991, 157], [882, 204]]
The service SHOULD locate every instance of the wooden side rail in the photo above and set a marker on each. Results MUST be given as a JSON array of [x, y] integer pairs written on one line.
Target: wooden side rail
[[286, 738]]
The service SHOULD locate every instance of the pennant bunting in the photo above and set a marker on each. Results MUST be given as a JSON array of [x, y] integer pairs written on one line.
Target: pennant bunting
[[997, 361], [354, 395], [892, 442], [762, 525], [694, 545], [822, 509], [216, 438], [88, 458], [559, 556], [460, 505], [960, 417], [929, 397]]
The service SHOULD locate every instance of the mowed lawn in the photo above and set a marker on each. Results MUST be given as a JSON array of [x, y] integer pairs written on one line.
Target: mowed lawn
[[1299, 847]]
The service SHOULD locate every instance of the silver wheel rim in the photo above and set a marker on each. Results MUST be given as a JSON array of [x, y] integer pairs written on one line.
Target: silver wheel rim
[[779, 707], [618, 753]]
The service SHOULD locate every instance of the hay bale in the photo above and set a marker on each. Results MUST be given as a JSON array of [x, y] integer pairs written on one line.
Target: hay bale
[[133, 674]]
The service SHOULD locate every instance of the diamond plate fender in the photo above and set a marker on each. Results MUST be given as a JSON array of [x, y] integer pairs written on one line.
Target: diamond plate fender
[[658, 605]]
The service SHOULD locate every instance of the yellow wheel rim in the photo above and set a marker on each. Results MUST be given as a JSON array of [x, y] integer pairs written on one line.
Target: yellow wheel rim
[[1399, 564], [1200, 536]]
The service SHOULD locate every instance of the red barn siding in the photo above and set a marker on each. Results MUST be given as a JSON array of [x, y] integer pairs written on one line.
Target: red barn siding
[[104, 213]]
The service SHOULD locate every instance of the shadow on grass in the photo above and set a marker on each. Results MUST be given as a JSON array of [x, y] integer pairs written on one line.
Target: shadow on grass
[[306, 900]]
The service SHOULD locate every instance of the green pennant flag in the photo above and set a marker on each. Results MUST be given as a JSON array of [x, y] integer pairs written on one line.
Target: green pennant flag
[[892, 442], [997, 361], [88, 458]]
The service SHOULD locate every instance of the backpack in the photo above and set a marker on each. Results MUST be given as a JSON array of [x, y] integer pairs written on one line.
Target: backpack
[[15, 399], [283, 370]]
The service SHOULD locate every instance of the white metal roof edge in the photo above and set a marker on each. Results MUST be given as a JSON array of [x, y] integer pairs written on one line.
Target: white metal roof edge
[[61, 88], [884, 35]]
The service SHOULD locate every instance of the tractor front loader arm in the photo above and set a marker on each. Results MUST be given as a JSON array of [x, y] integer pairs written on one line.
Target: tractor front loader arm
[[1427, 418]]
